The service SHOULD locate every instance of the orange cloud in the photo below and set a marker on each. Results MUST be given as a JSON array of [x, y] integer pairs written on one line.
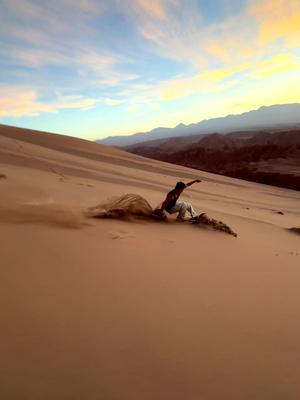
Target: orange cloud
[[277, 19], [24, 102], [227, 49], [16, 103], [217, 49], [153, 7]]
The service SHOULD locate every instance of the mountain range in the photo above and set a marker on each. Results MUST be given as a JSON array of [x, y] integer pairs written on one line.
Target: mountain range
[[272, 117], [260, 156]]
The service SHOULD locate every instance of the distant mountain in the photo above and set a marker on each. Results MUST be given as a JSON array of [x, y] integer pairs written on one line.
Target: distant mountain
[[259, 156], [276, 116], [167, 144], [216, 141]]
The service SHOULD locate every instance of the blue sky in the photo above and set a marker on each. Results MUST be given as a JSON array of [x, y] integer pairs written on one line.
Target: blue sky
[[93, 68]]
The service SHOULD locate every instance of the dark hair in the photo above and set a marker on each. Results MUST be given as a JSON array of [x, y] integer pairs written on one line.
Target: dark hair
[[180, 186]]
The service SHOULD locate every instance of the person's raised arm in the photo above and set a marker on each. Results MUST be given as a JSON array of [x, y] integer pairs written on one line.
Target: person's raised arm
[[192, 182]]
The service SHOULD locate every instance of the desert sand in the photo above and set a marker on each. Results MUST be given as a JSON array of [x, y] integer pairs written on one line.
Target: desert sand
[[140, 309]]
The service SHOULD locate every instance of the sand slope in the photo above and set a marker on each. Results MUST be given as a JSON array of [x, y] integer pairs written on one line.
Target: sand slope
[[109, 309]]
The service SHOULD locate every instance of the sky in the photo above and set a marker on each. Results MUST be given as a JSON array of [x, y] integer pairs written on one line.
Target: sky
[[97, 68]]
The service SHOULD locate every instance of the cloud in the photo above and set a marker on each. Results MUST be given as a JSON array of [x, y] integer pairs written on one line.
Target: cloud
[[219, 74], [228, 48], [95, 68], [97, 61], [16, 102], [178, 31], [208, 80], [62, 34], [277, 19], [50, 17], [155, 8], [75, 102], [171, 27], [113, 102], [148, 100], [280, 63], [35, 58], [222, 79], [104, 68], [106, 48]]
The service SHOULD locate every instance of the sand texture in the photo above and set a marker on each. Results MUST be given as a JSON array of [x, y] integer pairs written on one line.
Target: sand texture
[[134, 307]]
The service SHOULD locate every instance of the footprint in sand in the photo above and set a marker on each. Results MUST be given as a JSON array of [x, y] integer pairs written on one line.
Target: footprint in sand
[[120, 235], [278, 212], [291, 253], [84, 184]]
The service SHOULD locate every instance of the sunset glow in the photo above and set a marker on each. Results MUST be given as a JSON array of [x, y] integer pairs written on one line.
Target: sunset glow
[[96, 68]]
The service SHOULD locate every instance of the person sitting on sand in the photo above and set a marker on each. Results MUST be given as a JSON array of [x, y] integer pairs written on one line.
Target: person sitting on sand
[[171, 205]]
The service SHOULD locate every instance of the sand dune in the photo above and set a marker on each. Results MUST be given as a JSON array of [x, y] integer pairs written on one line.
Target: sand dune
[[131, 309]]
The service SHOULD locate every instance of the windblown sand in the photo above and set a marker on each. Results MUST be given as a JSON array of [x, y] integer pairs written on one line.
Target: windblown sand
[[126, 206], [139, 309]]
